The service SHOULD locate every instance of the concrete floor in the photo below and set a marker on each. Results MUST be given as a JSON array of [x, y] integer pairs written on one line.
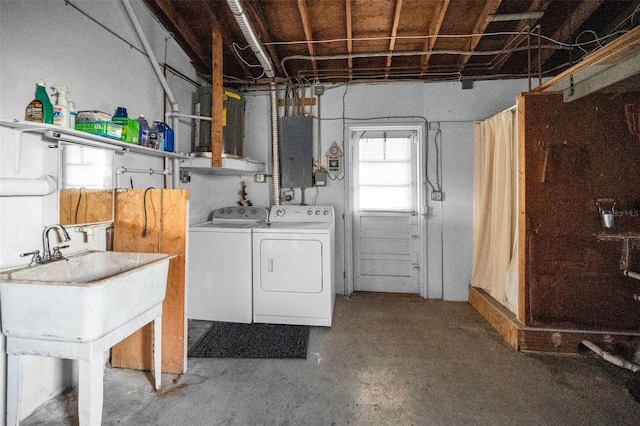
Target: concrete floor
[[387, 360]]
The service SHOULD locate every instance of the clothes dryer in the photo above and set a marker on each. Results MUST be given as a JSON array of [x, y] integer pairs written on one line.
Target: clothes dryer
[[293, 266]]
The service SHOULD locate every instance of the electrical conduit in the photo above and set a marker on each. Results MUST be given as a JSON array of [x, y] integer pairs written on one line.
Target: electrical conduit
[[258, 49]]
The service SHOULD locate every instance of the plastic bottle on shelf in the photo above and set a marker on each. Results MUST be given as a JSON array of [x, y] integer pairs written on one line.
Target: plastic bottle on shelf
[[61, 108], [72, 115], [168, 139], [166, 143], [143, 139], [40, 109]]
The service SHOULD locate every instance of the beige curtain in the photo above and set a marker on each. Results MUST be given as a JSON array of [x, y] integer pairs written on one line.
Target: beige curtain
[[495, 208]]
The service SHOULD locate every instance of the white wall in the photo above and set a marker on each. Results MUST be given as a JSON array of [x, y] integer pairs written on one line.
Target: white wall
[[449, 245], [49, 40]]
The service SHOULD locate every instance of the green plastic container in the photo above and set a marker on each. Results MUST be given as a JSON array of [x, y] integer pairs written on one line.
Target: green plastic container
[[107, 129], [130, 129]]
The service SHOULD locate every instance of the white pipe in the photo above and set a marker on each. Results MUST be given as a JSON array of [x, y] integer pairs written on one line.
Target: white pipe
[[156, 67], [631, 274], [24, 187], [196, 117], [123, 170], [610, 357], [152, 56]]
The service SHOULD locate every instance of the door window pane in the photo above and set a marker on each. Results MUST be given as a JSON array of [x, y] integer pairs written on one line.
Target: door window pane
[[384, 173]]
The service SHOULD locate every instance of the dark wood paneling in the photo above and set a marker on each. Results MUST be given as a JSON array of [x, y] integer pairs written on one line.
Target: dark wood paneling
[[573, 154]]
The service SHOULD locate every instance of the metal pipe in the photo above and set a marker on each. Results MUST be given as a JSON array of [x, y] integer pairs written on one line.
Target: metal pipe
[[275, 146], [258, 49], [251, 37]]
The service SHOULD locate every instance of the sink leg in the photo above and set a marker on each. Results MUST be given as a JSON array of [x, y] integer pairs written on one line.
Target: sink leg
[[157, 351], [14, 388], [90, 391]]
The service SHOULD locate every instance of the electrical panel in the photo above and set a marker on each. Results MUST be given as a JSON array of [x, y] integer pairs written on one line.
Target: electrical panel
[[296, 152]]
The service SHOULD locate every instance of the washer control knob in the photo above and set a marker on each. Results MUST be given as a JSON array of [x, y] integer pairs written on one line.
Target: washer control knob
[[280, 212], [254, 211], [317, 212], [326, 212], [309, 212], [241, 211]]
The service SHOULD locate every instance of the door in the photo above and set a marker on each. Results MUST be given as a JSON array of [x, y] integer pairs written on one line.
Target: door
[[386, 210]]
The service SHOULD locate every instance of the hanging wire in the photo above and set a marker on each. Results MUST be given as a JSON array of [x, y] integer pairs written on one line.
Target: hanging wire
[[144, 204]]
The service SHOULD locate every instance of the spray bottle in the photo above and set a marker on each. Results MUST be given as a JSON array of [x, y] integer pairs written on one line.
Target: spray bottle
[[61, 108]]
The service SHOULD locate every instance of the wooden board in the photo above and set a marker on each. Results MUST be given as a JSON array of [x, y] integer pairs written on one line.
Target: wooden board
[[217, 94], [547, 340], [166, 227], [81, 205]]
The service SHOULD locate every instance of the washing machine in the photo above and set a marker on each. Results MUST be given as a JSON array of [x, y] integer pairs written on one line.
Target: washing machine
[[220, 265], [293, 266]]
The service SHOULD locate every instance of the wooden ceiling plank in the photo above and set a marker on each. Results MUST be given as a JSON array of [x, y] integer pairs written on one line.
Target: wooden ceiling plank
[[348, 18], [306, 25], [434, 30], [479, 28], [574, 21], [394, 34]]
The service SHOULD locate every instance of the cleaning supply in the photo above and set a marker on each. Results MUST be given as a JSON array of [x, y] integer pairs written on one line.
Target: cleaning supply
[[130, 128], [143, 138], [72, 115], [159, 127], [61, 108], [40, 109], [167, 136]]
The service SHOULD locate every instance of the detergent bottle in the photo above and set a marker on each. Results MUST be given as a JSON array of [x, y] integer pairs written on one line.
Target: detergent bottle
[[61, 108]]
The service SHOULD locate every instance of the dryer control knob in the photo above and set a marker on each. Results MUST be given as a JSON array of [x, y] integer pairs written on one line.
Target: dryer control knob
[[280, 212], [241, 211], [317, 212], [309, 212]]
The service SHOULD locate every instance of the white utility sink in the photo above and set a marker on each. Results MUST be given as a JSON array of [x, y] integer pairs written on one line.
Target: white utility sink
[[83, 298], [78, 308]]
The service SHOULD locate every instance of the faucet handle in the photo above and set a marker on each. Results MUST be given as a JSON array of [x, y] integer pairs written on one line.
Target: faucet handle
[[57, 255], [36, 259]]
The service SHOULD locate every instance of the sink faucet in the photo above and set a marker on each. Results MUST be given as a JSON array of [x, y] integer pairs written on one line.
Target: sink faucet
[[46, 250]]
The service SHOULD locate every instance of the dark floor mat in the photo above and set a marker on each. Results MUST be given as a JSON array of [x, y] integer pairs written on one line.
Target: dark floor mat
[[233, 340]]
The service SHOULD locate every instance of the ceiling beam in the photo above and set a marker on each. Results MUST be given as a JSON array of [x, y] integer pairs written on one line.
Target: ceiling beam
[[575, 19], [349, 37], [306, 25], [433, 31], [479, 28], [394, 33]]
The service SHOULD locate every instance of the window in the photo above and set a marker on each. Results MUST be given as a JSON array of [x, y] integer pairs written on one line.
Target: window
[[385, 173]]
